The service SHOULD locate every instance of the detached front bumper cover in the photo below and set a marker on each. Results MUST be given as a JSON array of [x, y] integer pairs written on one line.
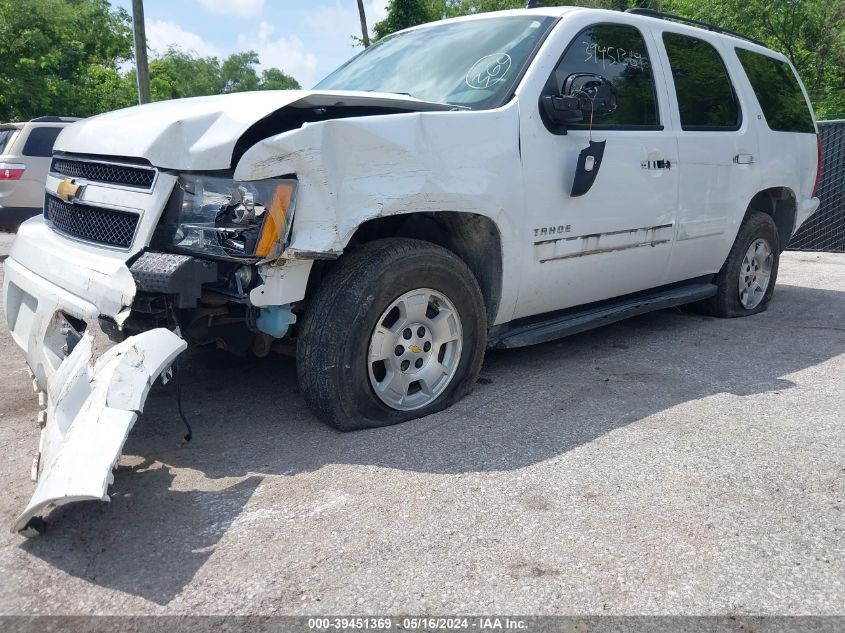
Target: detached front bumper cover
[[91, 407]]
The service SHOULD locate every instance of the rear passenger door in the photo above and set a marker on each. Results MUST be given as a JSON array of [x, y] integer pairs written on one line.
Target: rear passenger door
[[717, 151]]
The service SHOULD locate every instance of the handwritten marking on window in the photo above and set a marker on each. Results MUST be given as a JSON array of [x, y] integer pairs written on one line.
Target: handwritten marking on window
[[610, 55], [488, 71]]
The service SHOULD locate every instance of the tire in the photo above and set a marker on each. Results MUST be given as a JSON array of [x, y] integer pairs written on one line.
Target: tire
[[349, 322], [757, 230]]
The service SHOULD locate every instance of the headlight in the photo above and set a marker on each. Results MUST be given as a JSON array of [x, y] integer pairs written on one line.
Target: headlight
[[227, 218]]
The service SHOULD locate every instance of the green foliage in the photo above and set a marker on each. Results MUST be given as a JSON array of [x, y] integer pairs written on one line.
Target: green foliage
[[64, 57], [402, 14], [61, 57], [238, 72], [275, 79], [176, 74]]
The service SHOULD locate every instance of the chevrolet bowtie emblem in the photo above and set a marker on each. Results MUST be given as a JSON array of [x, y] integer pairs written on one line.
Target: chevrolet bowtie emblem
[[68, 190]]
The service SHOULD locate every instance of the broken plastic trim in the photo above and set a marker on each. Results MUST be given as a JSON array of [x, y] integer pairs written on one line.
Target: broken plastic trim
[[91, 407]]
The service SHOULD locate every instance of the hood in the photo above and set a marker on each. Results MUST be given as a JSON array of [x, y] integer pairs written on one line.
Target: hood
[[202, 133]]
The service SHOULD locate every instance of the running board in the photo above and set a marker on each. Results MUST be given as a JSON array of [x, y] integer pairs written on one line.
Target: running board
[[531, 331]]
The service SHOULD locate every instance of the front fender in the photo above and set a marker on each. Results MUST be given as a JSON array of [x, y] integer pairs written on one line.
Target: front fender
[[354, 170], [357, 169]]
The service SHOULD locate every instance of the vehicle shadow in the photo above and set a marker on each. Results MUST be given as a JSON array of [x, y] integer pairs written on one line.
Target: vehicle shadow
[[530, 405]]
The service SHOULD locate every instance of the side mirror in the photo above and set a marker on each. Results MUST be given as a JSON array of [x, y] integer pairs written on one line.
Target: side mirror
[[584, 95], [596, 94]]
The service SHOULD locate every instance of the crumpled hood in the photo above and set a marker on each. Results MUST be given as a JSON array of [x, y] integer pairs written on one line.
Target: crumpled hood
[[201, 133]]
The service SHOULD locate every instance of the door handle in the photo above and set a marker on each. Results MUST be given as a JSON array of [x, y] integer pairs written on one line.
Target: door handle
[[744, 159]]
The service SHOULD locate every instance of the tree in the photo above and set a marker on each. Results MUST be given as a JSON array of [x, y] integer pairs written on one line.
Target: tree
[[238, 72], [60, 57], [275, 79], [402, 14], [176, 74], [63, 57]]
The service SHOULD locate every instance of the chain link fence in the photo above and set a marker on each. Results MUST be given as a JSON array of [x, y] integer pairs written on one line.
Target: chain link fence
[[825, 230]]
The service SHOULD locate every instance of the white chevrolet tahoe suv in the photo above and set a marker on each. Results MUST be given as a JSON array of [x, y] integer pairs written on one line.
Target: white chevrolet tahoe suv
[[496, 181]]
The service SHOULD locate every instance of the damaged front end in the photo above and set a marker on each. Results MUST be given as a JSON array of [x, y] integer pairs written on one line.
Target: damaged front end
[[210, 272], [88, 406]]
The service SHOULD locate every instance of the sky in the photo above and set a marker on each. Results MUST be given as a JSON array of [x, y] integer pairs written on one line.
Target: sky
[[307, 39]]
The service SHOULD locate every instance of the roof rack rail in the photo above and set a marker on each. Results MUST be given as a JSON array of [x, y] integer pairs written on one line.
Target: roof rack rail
[[651, 13], [54, 119]]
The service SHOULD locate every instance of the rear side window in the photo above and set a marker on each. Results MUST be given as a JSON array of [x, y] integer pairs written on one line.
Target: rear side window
[[40, 141], [6, 136], [778, 92], [706, 98], [619, 54]]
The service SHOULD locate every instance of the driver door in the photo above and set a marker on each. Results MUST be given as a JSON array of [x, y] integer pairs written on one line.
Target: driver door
[[616, 238]]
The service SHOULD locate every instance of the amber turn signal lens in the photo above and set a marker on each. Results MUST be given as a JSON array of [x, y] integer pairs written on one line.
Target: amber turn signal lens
[[276, 220]]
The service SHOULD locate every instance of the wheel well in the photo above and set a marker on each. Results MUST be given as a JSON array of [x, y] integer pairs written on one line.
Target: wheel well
[[474, 238], [778, 202]]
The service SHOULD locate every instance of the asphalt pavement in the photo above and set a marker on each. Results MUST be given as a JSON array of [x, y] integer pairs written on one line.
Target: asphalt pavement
[[670, 464]]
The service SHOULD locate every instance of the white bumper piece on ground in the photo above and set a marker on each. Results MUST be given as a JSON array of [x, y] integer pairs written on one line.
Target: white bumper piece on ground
[[91, 408]]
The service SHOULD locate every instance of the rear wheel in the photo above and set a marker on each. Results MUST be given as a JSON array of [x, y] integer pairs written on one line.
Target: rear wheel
[[397, 331], [747, 279]]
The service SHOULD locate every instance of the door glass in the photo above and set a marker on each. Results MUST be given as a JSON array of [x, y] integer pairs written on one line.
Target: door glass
[[706, 98], [617, 53], [778, 92], [40, 141], [6, 136]]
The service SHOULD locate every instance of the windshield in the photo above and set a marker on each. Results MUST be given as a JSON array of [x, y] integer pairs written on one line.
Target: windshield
[[472, 63]]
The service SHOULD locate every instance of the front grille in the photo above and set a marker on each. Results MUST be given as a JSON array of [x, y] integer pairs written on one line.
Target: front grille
[[92, 224], [127, 176]]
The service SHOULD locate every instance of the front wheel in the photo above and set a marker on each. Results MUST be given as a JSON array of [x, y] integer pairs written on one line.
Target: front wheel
[[397, 331], [747, 279]]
